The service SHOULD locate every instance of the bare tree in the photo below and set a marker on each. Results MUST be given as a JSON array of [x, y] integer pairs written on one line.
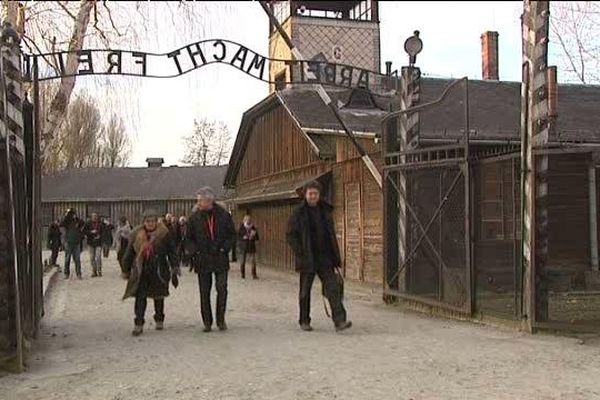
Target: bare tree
[[80, 134], [575, 27], [208, 144], [52, 26], [115, 143]]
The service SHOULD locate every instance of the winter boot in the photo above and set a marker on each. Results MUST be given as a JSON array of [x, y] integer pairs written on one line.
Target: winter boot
[[160, 325], [254, 275], [137, 330], [243, 271], [306, 327], [343, 326]]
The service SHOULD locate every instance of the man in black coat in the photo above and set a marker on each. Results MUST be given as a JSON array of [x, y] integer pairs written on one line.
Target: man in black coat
[[54, 241], [311, 235], [210, 236]]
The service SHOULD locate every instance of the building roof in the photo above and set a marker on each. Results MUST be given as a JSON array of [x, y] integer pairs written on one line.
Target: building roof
[[494, 114], [115, 184]]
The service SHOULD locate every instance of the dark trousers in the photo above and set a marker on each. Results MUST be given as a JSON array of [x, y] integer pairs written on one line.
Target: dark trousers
[[332, 291], [205, 280], [54, 255], [251, 257], [140, 309]]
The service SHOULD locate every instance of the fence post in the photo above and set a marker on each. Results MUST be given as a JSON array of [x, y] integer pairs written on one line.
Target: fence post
[[408, 129], [536, 125], [11, 125]]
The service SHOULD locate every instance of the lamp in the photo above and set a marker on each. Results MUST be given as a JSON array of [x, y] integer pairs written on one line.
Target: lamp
[[413, 46]]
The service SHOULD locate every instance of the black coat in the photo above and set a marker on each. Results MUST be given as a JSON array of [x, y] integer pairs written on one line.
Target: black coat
[[54, 236], [208, 255], [298, 236], [107, 234], [94, 233], [247, 245], [149, 277]]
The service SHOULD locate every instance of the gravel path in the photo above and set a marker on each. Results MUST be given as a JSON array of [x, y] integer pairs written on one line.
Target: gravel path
[[85, 351]]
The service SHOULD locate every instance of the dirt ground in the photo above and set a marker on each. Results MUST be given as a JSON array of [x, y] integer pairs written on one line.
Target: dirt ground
[[85, 350]]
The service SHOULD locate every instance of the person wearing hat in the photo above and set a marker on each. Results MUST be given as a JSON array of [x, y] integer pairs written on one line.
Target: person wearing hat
[[149, 264], [210, 237]]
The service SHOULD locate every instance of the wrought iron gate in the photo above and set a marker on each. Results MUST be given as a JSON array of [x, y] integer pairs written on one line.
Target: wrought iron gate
[[427, 224]]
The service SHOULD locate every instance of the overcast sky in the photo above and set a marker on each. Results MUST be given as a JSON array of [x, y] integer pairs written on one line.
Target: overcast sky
[[450, 32]]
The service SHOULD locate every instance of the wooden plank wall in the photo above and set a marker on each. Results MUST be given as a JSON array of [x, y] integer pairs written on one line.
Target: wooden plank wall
[[276, 144], [349, 176], [133, 210], [271, 221], [568, 212]]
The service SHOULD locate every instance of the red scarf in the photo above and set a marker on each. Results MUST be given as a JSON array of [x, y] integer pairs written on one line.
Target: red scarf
[[210, 224], [148, 250]]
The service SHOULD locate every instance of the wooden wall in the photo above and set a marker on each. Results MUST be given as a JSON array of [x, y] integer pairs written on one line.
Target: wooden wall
[[568, 211], [358, 215], [277, 152], [276, 144], [271, 220], [133, 210]]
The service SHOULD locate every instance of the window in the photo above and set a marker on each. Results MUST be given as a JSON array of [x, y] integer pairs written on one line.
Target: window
[[499, 201], [280, 81], [361, 11]]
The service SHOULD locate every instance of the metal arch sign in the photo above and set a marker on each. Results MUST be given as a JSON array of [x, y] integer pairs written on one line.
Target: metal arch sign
[[189, 58]]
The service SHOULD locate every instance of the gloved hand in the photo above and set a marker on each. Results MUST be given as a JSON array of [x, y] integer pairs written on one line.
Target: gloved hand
[[174, 280], [125, 275]]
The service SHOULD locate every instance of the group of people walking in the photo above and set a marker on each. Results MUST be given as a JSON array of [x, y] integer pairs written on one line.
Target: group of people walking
[[151, 254], [97, 234]]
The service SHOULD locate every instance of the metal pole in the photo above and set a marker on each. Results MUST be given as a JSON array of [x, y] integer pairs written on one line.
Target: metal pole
[[324, 96], [593, 216], [37, 201], [5, 53], [470, 275]]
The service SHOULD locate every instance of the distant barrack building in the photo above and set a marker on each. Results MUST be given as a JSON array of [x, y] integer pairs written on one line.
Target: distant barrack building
[[114, 192]]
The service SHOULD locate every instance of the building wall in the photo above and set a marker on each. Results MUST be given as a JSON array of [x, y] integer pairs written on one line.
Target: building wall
[[358, 216], [275, 144], [278, 152], [568, 212], [357, 40], [356, 43], [133, 210]]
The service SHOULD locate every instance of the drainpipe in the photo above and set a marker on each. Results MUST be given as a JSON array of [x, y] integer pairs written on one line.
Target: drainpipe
[[593, 216]]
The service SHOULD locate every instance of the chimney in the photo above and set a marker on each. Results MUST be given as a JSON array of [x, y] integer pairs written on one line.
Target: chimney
[[489, 56], [154, 162], [552, 92]]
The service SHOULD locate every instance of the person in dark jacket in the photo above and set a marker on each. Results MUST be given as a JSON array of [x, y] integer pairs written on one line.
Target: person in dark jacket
[[73, 227], [123, 232], [182, 232], [94, 231], [54, 241], [248, 236], [210, 236], [149, 264], [107, 237], [311, 235]]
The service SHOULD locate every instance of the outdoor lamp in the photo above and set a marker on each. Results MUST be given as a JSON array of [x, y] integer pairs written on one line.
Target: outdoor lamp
[[413, 46], [9, 36]]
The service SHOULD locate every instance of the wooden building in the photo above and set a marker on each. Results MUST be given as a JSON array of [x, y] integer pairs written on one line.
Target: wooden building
[[291, 137], [114, 192], [288, 139]]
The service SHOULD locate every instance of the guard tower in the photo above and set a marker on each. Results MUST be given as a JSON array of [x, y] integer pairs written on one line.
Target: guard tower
[[344, 32]]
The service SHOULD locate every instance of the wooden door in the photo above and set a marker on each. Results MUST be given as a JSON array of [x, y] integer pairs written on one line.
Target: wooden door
[[353, 260]]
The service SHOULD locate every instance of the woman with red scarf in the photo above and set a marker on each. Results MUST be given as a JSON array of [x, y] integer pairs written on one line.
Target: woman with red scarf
[[149, 264]]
